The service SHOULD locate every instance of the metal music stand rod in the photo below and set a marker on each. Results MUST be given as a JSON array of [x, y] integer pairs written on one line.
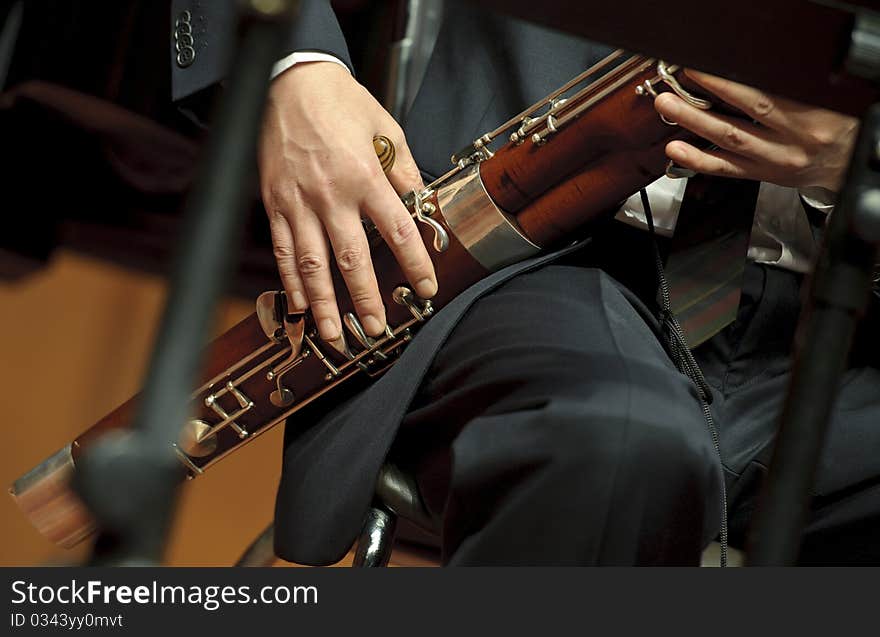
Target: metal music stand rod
[[129, 479], [838, 300], [9, 30]]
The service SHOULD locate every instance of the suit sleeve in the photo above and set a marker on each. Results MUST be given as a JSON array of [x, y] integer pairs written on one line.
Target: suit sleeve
[[202, 36]]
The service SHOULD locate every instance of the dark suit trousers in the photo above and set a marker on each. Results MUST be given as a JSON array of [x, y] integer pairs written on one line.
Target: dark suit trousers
[[748, 367], [554, 429]]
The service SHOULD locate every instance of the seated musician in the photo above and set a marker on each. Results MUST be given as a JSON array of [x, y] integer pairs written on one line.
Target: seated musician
[[548, 422]]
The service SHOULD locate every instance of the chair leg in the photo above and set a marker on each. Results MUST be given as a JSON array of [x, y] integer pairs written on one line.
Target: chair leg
[[376, 538]]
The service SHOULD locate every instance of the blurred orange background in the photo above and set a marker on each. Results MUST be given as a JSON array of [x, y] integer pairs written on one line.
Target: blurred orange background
[[75, 339]]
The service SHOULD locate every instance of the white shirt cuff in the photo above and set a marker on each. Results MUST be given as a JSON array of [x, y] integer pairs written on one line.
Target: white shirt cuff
[[298, 57], [819, 198], [665, 196]]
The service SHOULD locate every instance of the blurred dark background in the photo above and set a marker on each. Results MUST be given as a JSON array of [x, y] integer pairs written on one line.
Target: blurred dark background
[[72, 174]]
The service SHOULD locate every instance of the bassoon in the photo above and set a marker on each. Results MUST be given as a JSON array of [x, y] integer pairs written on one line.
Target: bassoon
[[568, 160]]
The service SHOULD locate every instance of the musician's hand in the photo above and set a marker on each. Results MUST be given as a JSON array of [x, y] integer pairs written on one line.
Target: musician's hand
[[788, 143], [318, 174]]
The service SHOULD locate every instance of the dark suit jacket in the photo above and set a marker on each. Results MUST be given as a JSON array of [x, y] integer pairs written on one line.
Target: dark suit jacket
[[212, 28], [485, 68]]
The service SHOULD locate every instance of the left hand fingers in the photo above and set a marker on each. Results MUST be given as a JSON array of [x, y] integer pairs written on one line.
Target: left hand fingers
[[717, 162], [404, 174], [730, 133], [773, 112]]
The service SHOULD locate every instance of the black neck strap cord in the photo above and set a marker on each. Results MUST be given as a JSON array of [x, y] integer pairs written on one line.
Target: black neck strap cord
[[684, 361]]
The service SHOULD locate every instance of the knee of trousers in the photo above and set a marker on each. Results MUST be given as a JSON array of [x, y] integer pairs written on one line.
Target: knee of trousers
[[599, 459]]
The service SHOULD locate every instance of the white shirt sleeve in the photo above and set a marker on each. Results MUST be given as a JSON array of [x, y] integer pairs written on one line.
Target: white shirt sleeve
[[781, 233], [298, 57], [665, 197]]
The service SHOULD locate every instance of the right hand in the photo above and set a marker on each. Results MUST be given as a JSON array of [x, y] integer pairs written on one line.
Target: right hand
[[318, 174]]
